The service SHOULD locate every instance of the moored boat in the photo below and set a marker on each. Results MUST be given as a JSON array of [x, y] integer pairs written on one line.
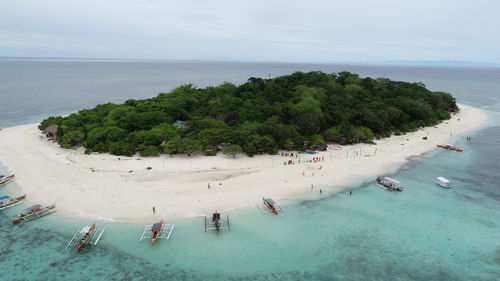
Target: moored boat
[[443, 182], [217, 223], [159, 230], [88, 236], [34, 212], [87, 231], [270, 205], [389, 184], [5, 180], [449, 147], [155, 230], [7, 201]]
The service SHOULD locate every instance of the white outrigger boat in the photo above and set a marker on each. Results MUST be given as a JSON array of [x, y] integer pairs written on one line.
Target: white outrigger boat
[[443, 182], [388, 183], [7, 201], [89, 235], [160, 230]]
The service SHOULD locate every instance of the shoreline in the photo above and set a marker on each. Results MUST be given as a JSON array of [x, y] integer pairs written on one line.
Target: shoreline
[[123, 189]]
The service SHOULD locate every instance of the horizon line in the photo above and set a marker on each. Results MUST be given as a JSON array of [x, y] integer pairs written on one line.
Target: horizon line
[[462, 63]]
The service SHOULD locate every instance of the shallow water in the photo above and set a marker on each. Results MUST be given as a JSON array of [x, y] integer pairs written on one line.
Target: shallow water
[[423, 233]]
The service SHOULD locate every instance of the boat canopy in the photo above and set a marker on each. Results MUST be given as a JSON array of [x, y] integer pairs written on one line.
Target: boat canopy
[[391, 180], [156, 227], [443, 180], [269, 201], [215, 216], [4, 197], [85, 229], [35, 207]]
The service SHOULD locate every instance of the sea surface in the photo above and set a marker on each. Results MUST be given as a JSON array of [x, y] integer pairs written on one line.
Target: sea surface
[[423, 233]]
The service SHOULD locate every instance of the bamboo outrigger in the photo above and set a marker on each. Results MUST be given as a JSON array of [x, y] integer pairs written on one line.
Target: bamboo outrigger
[[156, 231]]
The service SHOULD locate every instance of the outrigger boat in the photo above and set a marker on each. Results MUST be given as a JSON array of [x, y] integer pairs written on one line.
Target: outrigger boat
[[217, 223], [389, 184], [5, 180], [450, 147], [89, 235], [34, 212], [443, 182], [7, 201], [269, 205], [159, 230]]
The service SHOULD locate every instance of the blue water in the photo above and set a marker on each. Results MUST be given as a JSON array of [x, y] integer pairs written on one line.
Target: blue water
[[423, 233]]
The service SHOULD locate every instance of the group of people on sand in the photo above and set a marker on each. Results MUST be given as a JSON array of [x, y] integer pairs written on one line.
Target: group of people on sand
[[220, 184], [291, 154]]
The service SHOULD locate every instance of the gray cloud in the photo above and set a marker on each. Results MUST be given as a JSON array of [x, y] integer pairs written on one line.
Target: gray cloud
[[258, 30]]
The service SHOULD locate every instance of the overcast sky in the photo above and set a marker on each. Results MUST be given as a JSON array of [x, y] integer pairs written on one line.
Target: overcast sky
[[257, 30]]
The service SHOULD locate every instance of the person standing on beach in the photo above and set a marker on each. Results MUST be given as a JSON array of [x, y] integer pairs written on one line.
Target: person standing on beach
[[320, 191], [208, 185], [154, 210]]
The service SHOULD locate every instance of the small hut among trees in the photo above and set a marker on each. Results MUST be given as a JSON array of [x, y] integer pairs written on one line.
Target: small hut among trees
[[51, 132]]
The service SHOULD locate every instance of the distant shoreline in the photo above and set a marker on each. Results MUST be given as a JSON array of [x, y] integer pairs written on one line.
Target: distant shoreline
[[420, 63], [122, 188]]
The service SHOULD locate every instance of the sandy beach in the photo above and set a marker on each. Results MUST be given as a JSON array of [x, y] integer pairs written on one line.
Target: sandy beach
[[127, 188]]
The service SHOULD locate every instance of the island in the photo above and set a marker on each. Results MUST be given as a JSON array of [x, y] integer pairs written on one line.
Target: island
[[293, 112], [118, 161]]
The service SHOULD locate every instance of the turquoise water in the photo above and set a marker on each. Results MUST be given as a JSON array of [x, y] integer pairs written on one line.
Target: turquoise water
[[423, 233]]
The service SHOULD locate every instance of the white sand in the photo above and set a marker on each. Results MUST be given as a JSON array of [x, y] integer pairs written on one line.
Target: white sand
[[101, 185]]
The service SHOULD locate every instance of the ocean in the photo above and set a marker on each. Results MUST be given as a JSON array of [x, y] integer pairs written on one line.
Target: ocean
[[423, 233]]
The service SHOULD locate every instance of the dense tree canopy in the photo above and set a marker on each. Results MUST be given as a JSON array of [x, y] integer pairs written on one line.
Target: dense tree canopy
[[296, 111]]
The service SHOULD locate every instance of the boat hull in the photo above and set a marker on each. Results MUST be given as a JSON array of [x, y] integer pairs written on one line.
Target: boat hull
[[156, 232], [270, 207], [450, 148], [6, 180], [35, 214], [389, 188], [12, 202], [86, 238]]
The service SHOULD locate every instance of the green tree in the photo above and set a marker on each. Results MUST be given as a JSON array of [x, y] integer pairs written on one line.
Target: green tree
[[170, 147], [333, 134], [189, 146], [307, 115], [233, 149], [72, 138], [120, 148], [148, 150]]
